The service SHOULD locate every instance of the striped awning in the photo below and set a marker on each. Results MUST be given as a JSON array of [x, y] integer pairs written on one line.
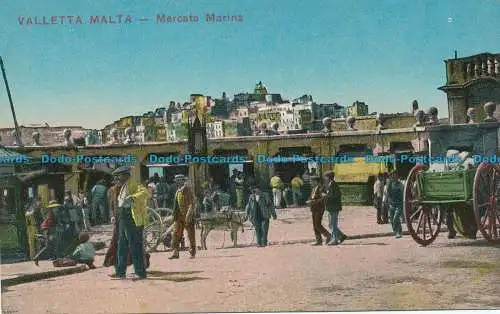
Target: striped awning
[[8, 160]]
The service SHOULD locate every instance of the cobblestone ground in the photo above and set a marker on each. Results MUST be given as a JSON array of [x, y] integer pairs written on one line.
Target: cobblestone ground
[[368, 274]]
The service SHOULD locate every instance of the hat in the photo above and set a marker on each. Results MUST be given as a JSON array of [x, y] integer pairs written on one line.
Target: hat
[[53, 204], [179, 177], [121, 170], [235, 170], [84, 237]]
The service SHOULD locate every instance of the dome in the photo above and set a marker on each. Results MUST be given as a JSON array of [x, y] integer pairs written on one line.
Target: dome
[[260, 89]]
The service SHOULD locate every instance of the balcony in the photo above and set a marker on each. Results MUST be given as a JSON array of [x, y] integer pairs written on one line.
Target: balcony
[[463, 70]]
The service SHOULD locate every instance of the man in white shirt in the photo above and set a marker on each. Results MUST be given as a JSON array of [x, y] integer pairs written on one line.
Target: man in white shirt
[[131, 215], [378, 193]]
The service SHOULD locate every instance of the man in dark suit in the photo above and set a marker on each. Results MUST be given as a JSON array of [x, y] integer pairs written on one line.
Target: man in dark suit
[[259, 210], [317, 204], [333, 205]]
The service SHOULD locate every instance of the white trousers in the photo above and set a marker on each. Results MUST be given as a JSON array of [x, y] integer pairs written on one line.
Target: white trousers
[[277, 194]]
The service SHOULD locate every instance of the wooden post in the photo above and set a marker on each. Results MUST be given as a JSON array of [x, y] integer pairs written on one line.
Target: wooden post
[[16, 126]]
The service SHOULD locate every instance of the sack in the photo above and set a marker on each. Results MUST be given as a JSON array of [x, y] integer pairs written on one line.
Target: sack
[[64, 262]]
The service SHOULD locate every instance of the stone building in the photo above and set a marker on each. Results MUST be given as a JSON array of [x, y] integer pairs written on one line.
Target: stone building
[[470, 83], [289, 116], [334, 110], [357, 109], [215, 129]]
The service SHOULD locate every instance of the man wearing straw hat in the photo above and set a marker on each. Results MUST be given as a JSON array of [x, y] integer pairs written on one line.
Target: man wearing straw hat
[[184, 210], [131, 216]]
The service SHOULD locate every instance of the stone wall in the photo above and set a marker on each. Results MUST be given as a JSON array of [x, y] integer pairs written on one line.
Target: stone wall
[[48, 135], [393, 121]]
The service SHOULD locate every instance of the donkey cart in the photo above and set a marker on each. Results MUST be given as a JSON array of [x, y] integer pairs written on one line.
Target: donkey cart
[[469, 194]]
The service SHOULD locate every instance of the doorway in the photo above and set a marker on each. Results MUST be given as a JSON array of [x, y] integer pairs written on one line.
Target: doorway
[[288, 170], [403, 166], [223, 173], [166, 169]]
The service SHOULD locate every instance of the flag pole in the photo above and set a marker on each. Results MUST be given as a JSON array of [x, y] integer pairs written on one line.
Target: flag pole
[[18, 135]]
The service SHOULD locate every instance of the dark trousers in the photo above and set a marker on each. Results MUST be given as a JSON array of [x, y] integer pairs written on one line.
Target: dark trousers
[[98, 213], [449, 223], [319, 230], [377, 201], [162, 202], [396, 215], [130, 239], [261, 230], [384, 212]]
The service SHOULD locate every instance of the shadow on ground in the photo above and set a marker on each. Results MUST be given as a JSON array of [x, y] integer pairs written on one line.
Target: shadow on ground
[[471, 264], [362, 244], [403, 279], [219, 256], [470, 243], [174, 276]]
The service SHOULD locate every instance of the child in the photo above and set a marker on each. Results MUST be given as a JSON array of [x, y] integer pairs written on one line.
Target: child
[[84, 252]]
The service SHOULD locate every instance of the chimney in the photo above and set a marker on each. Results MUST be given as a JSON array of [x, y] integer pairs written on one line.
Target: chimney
[[456, 56]]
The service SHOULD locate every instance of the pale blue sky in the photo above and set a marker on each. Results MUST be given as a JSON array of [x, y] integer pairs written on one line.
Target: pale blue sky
[[385, 53]]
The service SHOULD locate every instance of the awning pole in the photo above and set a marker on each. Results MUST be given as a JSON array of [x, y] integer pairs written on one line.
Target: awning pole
[[16, 126]]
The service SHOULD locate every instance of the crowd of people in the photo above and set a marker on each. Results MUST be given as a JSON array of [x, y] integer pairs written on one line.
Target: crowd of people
[[294, 193], [58, 227], [126, 204]]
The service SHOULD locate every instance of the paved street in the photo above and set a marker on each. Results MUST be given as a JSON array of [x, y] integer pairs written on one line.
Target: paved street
[[372, 273]]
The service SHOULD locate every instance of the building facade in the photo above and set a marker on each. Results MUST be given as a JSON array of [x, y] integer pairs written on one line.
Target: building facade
[[470, 83], [357, 109], [215, 129]]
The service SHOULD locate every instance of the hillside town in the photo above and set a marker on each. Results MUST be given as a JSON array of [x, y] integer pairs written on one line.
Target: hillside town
[[242, 115]]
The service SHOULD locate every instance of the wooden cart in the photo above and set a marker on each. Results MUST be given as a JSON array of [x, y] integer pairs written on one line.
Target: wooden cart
[[467, 195], [470, 193]]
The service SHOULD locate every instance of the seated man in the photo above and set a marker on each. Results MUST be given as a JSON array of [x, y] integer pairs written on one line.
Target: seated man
[[83, 254]]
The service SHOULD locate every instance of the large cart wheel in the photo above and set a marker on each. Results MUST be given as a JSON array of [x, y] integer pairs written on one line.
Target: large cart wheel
[[422, 220], [153, 231], [485, 200]]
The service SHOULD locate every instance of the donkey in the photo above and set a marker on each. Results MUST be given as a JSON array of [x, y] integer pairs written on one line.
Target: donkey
[[226, 219]]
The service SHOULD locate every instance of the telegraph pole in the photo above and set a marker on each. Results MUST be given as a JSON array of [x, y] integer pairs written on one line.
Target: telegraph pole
[[18, 135]]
